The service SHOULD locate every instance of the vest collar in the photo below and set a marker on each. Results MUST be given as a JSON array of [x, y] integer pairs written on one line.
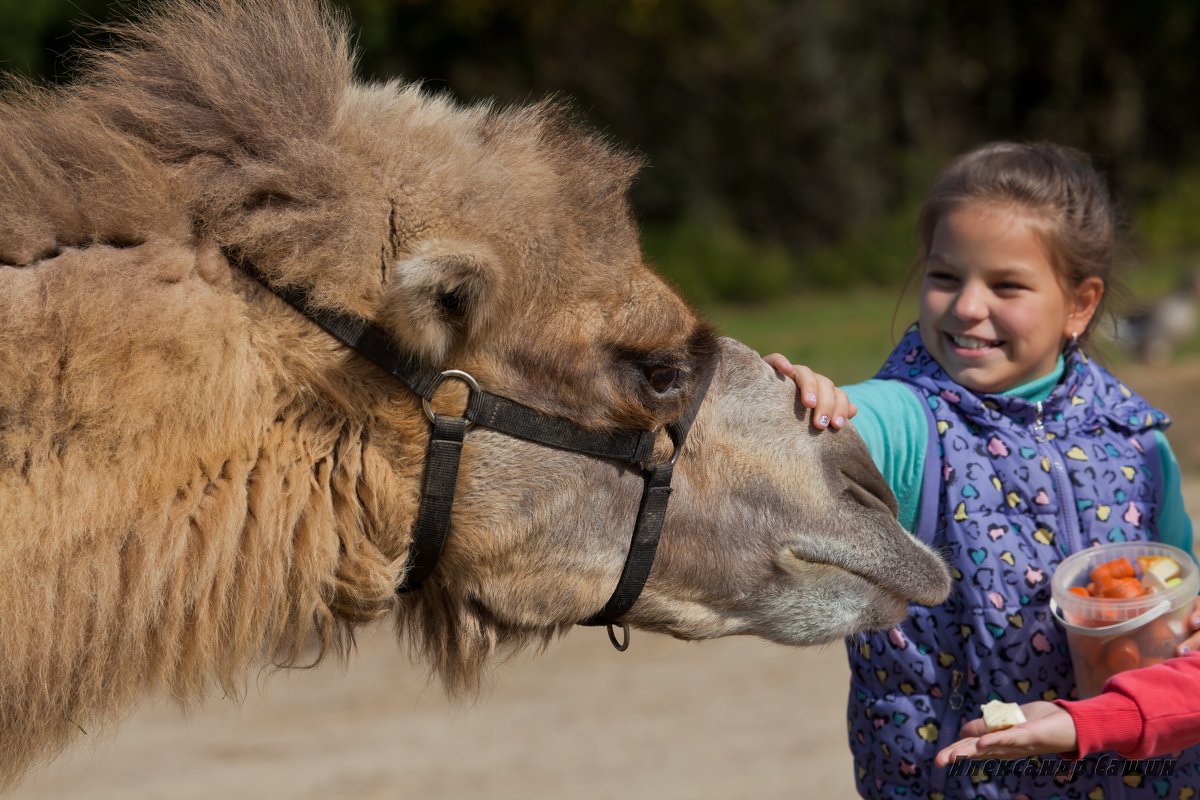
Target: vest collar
[[1087, 393]]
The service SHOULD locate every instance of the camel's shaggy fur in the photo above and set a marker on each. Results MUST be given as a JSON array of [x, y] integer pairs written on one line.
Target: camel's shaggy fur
[[122, 344], [193, 478]]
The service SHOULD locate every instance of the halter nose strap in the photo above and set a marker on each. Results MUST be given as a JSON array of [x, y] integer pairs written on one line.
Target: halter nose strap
[[652, 513]]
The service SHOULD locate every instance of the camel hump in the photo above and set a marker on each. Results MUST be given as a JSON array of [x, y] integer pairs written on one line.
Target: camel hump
[[233, 80], [159, 135], [70, 180]]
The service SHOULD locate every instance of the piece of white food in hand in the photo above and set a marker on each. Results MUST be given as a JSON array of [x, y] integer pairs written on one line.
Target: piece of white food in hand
[[997, 715]]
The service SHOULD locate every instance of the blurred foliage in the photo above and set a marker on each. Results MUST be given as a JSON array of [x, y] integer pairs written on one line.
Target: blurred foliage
[[876, 253], [1169, 220], [713, 260], [789, 142]]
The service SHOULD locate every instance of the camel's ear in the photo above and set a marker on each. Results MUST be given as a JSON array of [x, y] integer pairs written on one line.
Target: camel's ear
[[444, 293]]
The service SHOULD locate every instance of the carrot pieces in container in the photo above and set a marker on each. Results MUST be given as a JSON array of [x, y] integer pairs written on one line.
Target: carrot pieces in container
[[1122, 588], [1123, 613], [1111, 570], [1118, 580], [1122, 654]]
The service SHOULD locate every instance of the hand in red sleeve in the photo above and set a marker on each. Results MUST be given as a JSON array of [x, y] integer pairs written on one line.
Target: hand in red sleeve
[[1048, 729], [1192, 643]]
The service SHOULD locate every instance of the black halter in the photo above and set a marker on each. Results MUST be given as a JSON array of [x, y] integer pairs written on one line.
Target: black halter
[[512, 418]]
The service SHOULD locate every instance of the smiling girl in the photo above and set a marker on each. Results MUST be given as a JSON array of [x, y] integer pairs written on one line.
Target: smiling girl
[[1008, 448]]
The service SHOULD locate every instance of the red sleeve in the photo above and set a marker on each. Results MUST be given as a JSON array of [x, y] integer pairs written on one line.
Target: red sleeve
[[1143, 712]]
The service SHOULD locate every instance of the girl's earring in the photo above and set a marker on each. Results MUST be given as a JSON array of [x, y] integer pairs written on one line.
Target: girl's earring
[[1075, 337]]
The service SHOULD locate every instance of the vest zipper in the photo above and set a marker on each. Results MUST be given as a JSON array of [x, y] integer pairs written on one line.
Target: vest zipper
[[1062, 483], [956, 698]]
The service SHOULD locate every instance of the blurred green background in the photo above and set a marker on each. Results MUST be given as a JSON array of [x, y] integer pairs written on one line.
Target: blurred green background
[[789, 143]]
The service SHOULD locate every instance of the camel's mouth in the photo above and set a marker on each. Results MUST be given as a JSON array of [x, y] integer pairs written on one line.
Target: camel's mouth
[[918, 577], [819, 602]]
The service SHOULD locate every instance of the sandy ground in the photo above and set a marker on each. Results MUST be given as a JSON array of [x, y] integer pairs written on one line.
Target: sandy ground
[[735, 718], [729, 719]]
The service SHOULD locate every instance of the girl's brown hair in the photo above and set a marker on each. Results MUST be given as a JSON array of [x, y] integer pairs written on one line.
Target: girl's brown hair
[[1055, 186]]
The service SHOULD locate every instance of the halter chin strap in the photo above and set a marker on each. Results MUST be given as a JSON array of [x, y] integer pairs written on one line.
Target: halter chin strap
[[514, 419]]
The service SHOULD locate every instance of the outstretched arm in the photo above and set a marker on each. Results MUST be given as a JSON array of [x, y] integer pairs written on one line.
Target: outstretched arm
[[1141, 713], [831, 406]]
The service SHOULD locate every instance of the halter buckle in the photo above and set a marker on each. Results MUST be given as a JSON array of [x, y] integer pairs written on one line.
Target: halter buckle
[[472, 386]]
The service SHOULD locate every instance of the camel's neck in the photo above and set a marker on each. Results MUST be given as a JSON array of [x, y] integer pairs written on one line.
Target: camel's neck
[[186, 501], [260, 553]]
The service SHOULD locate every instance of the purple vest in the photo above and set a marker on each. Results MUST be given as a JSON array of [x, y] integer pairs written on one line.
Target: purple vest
[[1010, 488]]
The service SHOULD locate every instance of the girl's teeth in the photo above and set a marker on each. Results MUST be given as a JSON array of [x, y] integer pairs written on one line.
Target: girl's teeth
[[970, 343]]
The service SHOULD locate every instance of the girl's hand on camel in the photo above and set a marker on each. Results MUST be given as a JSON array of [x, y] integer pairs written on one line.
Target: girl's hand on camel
[[831, 407], [1048, 729], [1192, 643]]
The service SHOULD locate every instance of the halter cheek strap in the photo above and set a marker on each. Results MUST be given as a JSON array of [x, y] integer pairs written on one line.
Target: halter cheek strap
[[447, 434]]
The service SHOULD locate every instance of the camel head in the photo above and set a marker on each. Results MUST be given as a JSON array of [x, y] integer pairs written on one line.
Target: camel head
[[773, 529], [499, 242], [195, 476]]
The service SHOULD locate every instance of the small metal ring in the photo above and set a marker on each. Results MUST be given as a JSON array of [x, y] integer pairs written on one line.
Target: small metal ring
[[612, 637], [677, 439], [450, 373], [677, 442]]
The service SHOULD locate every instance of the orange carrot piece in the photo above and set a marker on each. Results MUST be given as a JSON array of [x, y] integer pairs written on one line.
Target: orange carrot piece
[[1117, 568], [1122, 654], [1123, 588]]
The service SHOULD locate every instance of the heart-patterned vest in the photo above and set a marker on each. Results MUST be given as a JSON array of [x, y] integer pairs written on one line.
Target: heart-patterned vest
[[1010, 488]]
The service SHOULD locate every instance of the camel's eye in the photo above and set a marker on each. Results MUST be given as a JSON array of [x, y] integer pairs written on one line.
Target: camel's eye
[[660, 378]]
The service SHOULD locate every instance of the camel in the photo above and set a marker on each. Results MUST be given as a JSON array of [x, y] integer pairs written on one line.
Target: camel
[[196, 479]]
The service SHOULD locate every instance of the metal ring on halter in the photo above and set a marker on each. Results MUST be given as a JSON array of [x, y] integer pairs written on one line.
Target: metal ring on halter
[[612, 637], [676, 441], [450, 373]]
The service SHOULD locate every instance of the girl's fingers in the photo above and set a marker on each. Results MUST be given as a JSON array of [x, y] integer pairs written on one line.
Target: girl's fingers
[[807, 385], [1002, 742], [780, 363], [829, 404], [816, 393], [973, 729], [1188, 645], [831, 407], [844, 409], [827, 407], [1017, 742], [1192, 643], [964, 748], [1194, 620]]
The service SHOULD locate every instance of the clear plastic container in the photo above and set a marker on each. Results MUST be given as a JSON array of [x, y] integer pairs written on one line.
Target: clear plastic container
[[1107, 636]]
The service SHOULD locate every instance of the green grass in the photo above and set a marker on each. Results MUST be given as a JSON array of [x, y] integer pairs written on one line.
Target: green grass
[[844, 335]]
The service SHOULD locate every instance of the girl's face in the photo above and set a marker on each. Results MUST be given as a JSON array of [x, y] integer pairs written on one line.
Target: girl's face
[[993, 310]]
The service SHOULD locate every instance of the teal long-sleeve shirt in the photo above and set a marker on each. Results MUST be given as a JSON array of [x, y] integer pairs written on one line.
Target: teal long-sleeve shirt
[[895, 427]]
